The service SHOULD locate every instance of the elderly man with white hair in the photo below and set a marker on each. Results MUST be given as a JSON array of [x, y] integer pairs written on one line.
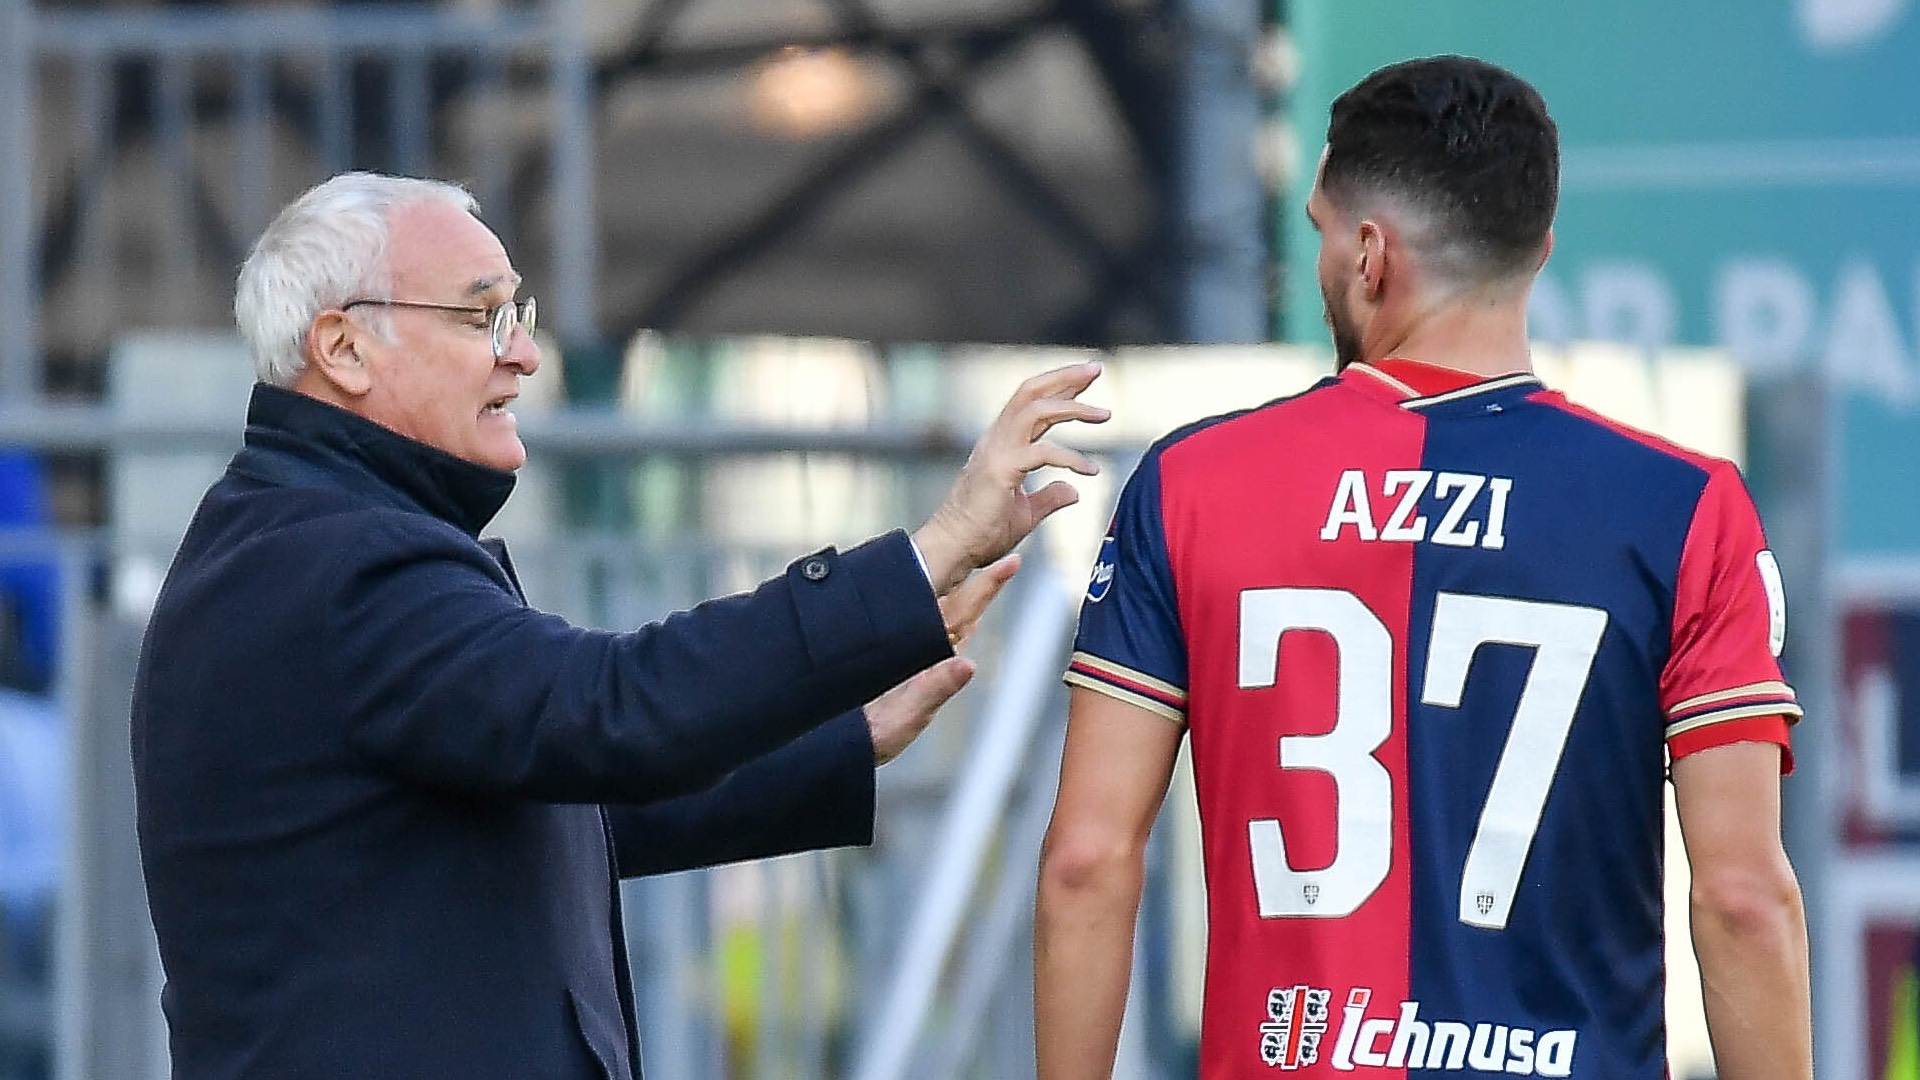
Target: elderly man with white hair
[[384, 804]]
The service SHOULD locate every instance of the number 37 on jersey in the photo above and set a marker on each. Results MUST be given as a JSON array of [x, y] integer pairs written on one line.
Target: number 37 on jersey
[[1564, 638]]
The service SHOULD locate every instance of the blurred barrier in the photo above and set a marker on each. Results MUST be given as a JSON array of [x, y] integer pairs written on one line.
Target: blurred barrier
[[1035, 654], [19, 302]]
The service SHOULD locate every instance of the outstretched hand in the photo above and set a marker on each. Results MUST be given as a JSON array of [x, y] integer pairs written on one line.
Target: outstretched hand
[[897, 717], [989, 509]]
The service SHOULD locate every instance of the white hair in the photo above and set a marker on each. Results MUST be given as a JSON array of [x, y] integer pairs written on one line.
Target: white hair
[[327, 247]]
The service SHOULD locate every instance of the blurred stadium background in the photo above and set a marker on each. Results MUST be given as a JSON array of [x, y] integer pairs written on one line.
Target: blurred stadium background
[[791, 253]]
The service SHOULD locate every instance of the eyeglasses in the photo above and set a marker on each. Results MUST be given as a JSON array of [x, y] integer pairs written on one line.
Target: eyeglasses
[[500, 320]]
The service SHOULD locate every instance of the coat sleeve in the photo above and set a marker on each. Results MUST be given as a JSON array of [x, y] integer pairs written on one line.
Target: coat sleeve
[[448, 679], [815, 792]]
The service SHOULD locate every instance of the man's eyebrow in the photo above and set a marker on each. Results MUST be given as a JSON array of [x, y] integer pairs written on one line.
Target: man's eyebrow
[[482, 286]]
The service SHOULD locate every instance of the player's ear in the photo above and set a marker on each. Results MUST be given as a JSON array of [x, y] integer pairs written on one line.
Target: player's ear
[[1546, 249], [1371, 266]]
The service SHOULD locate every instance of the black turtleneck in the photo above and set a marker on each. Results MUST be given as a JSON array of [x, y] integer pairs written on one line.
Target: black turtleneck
[[300, 441]]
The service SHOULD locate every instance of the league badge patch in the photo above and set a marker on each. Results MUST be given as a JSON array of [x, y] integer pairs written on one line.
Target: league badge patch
[[1102, 580]]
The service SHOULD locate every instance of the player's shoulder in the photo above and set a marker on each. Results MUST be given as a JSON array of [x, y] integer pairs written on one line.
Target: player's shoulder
[[1627, 435]]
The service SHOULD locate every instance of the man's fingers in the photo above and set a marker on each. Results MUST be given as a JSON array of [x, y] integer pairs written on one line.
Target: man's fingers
[[926, 692], [1002, 570], [897, 717], [962, 608], [949, 677], [965, 604], [1039, 454], [1053, 497], [1045, 414], [1065, 381], [1042, 454], [1050, 390]]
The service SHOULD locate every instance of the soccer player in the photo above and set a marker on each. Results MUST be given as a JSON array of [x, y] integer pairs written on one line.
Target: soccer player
[[1436, 634]]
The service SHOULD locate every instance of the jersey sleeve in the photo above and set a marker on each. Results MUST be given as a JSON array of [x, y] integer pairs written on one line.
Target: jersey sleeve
[[1129, 645], [1722, 683]]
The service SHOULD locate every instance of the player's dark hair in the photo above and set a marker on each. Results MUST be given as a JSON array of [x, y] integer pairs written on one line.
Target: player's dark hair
[[1463, 140]]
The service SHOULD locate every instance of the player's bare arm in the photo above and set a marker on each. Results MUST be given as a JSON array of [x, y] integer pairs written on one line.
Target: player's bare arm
[[1113, 778], [1749, 928]]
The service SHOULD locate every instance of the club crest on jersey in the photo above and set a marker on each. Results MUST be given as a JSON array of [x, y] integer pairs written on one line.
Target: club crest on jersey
[[1296, 1020], [1102, 580]]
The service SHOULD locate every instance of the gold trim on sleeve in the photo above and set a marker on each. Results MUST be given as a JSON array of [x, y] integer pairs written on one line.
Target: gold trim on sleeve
[[1771, 688], [1122, 694], [1744, 712]]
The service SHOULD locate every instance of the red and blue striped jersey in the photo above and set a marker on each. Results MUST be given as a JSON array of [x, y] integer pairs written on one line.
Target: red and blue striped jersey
[[1433, 640]]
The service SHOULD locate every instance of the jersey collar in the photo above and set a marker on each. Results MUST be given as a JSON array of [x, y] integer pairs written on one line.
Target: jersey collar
[[1414, 385]]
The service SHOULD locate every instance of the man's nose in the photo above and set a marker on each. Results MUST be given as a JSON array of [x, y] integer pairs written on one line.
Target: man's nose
[[522, 351]]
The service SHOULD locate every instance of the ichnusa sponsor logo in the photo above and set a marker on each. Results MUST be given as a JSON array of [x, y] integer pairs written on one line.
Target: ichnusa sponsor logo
[[1291, 1038]]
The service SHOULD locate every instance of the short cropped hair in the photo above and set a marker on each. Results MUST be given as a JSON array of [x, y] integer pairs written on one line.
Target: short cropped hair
[[1465, 143], [327, 247]]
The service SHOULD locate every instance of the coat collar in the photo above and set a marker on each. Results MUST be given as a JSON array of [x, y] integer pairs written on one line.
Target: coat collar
[[299, 441]]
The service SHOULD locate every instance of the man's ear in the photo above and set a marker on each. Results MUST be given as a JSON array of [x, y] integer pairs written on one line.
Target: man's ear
[[333, 353], [1546, 249], [1372, 267]]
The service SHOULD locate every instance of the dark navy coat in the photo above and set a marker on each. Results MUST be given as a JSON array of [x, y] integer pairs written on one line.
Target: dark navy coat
[[384, 805]]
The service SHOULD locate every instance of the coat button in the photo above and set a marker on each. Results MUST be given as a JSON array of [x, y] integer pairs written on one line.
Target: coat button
[[815, 569]]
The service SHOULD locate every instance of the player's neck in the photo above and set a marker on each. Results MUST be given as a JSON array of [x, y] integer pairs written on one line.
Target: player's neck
[[1471, 334]]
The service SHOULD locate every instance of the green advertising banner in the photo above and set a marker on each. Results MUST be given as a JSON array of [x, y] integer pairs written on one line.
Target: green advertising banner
[[1742, 173]]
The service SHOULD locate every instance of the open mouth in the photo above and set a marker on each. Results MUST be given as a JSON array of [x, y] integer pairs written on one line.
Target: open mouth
[[497, 407]]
